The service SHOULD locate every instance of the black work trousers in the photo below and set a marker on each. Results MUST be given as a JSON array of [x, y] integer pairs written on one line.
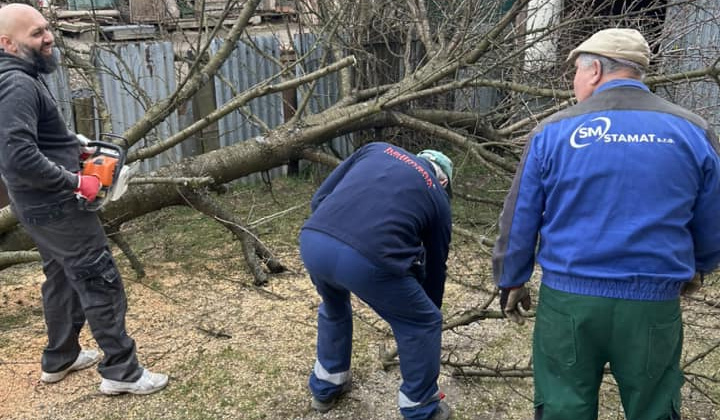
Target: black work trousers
[[82, 283]]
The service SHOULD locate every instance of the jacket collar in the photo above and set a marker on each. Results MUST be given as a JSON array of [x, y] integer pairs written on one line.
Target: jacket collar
[[621, 83]]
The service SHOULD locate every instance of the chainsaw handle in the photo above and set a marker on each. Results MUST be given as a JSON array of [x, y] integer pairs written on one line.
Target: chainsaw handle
[[107, 145], [117, 136]]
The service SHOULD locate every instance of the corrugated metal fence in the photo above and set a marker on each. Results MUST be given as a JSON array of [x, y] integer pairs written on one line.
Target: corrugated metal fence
[[245, 68], [694, 31], [325, 91], [135, 76]]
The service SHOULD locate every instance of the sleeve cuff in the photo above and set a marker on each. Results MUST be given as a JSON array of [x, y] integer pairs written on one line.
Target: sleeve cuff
[[75, 181]]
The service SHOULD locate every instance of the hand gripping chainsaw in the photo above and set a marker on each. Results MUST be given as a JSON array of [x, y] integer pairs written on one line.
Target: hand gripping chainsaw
[[106, 161]]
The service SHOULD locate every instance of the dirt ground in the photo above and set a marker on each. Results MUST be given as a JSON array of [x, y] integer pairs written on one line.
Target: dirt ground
[[231, 350], [236, 351]]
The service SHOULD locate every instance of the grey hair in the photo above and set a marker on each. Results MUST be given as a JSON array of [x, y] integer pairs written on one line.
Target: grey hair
[[611, 65]]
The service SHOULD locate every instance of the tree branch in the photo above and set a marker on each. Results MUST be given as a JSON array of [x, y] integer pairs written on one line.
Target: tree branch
[[184, 181], [162, 109], [453, 137], [235, 103], [9, 258], [113, 232], [255, 252], [317, 156]]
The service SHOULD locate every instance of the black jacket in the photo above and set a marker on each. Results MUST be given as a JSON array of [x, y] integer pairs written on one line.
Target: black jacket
[[39, 156]]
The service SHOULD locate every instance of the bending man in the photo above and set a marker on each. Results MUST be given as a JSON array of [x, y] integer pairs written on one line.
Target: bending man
[[380, 228]]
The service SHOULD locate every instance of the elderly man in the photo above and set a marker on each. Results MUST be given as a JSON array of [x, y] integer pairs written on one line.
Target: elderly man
[[39, 162], [623, 192], [380, 228]]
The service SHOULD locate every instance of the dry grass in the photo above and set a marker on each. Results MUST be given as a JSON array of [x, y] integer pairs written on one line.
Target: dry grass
[[235, 351]]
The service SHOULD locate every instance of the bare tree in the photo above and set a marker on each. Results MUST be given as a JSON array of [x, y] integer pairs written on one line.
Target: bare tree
[[474, 75]]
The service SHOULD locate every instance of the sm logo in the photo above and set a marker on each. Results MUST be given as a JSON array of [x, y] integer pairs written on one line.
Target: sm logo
[[589, 132]]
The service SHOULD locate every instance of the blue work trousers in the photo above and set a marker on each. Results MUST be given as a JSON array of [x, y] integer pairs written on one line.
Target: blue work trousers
[[337, 269]]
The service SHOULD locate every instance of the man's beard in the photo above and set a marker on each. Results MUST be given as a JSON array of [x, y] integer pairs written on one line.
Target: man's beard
[[43, 64]]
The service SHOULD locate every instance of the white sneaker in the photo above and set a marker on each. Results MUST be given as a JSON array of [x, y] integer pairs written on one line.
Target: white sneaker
[[147, 384], [85, 359]]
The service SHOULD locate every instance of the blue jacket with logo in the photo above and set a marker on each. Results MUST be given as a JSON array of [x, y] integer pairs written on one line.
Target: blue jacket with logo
[[617, 196], [388, 205]]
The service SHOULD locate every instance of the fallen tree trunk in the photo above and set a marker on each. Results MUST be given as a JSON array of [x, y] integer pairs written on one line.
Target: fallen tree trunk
[[281, 145]]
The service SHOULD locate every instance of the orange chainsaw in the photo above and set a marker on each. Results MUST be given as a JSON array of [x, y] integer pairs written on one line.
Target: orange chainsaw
[[106, 161]]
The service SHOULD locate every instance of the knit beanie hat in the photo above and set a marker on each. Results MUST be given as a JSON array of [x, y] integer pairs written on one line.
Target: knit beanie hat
[[442, 162]]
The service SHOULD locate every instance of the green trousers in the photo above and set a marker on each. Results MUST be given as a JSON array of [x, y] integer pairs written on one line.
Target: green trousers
[[576, 335]]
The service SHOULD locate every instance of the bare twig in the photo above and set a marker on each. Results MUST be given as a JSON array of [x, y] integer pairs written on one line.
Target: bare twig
[[184, 181], [113, 232]]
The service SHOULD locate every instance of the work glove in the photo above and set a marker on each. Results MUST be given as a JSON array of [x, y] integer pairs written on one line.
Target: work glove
[[88, 187], [511, 299], [693, 285]]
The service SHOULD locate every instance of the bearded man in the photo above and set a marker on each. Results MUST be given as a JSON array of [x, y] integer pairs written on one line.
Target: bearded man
[[40, 164]]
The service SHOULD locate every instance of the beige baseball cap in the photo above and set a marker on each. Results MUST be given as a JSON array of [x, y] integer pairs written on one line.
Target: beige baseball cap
[[627, 44]]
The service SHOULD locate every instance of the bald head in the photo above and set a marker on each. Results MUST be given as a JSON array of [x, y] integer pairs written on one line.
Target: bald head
[[15, 16], [24, 32]]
